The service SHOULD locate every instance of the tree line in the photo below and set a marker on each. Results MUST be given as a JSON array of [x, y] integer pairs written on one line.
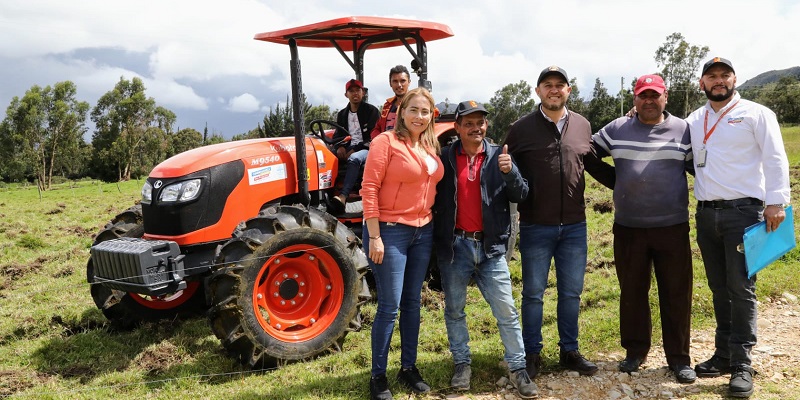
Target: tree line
[[42, 134]]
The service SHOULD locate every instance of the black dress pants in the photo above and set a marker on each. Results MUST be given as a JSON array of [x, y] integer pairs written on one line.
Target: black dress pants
[[666, 251]]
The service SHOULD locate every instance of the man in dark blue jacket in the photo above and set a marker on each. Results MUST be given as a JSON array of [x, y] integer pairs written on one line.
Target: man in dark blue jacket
[[472, 223]]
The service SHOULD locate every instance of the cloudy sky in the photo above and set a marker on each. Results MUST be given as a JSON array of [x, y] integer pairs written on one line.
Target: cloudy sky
[[198, 57]]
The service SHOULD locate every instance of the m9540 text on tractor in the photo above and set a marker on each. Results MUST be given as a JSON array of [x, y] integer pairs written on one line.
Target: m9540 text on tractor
[[242, 230]]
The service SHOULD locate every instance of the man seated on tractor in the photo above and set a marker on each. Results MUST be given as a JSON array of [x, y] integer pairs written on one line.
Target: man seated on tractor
[[359, 117]]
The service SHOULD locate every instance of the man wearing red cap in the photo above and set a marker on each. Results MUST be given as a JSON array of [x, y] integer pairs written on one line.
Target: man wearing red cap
[[359, 117], [741, 166], [651, 154]]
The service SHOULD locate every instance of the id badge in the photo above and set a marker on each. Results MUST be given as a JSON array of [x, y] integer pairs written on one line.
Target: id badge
[[701, 158]]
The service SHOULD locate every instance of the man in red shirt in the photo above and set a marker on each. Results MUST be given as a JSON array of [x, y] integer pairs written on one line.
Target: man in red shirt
[[472, 223]]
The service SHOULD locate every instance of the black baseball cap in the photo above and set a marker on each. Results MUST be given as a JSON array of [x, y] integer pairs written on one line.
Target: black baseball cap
[[469, 107], [552, 70], [717, 60]]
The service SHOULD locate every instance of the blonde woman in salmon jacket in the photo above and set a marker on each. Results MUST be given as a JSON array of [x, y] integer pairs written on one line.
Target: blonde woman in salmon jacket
[[398, 190]]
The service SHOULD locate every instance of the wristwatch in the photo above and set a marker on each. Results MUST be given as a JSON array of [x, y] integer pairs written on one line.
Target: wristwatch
[[779, 205]]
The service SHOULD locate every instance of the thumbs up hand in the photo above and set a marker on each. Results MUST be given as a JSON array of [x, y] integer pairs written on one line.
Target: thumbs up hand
[[504, 160]]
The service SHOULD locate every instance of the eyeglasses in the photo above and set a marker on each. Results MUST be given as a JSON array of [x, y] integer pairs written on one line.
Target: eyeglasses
[[472, 171]]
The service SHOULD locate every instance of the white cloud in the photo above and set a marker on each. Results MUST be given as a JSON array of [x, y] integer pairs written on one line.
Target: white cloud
[[193, 46], [245, 103], [171, 94]]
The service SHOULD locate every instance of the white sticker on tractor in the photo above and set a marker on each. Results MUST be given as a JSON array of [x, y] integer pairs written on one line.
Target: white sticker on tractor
[[266, 174], [320, 159], [325, 180]]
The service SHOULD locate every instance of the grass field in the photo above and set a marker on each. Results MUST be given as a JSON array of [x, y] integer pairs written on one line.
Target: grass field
[[54, 342]]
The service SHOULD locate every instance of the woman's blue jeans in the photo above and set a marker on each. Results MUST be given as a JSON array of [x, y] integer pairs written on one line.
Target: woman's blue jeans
[[398, 281]]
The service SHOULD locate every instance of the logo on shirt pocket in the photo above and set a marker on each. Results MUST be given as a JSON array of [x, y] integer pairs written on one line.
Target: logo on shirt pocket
[[736, 120]]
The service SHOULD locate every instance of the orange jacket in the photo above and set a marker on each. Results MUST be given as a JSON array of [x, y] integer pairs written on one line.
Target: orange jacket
[[380, 126], [397, 186]]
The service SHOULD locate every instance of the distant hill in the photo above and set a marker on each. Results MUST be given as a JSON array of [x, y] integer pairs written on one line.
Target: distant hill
[[770, 76]]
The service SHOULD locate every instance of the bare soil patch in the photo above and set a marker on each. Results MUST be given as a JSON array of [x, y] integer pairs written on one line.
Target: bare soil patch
[[776, 360]]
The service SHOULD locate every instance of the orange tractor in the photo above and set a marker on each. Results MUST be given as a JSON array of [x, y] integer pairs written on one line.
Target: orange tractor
[[242, 230]]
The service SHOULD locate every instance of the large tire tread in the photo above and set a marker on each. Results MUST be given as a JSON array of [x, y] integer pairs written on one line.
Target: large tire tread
[[232, 284]]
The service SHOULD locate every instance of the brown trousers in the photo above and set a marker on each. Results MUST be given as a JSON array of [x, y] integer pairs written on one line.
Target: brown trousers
[[667, 250]]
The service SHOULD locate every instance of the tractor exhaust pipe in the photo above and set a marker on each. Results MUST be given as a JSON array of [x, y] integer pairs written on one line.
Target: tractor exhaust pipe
[[299, 129]]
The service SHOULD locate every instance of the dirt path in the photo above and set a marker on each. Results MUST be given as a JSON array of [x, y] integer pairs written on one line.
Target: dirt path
[[776, 358]]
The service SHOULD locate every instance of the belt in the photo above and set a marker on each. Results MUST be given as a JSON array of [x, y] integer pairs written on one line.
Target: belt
[[477, 235], [720, 204]]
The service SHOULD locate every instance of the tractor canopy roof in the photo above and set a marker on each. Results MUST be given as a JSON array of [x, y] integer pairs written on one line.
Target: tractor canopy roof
[[351, 33]]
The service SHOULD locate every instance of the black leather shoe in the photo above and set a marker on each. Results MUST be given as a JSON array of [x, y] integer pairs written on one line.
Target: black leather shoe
[[533, 364], [379, 388], [413, 380], [631, 364], [575, 361], [741, 383], [684, 373], [715, 366], [337, 204]]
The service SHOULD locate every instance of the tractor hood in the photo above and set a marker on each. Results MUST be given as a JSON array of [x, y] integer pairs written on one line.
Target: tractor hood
[[258, 151]]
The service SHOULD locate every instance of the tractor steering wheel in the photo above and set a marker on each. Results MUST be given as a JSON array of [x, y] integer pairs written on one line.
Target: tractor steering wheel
[[317, 128]]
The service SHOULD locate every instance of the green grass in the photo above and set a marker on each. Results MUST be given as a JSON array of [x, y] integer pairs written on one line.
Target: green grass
[[55, 344]]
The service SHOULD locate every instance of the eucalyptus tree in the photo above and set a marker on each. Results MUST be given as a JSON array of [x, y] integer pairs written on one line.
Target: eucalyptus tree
[[506, 106], [680, 67], [603, 108], [131, 131], [43, 131]]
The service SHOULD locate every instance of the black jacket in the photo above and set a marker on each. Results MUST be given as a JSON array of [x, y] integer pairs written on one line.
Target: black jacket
[[497, 190], [553, 162], [367, 117]]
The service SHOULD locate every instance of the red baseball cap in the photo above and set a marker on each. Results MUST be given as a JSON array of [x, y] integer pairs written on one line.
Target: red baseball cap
[[649, 82], [352, 82]]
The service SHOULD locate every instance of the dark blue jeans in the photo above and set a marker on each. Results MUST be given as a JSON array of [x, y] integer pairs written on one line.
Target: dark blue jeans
[[352, 173], [539, 245], [398, 281], [719, 232]]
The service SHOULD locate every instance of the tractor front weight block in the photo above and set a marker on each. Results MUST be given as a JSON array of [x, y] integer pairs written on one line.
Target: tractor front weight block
[[148, 267]]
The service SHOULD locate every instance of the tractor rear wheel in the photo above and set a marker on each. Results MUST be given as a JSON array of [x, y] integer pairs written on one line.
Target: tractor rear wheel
[[288, 287], [126, 310]]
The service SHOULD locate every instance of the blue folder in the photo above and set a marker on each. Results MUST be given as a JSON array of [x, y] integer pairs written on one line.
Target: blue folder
[[761, 248]]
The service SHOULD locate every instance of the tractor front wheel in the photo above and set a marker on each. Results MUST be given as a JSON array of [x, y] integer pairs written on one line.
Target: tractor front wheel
[[288, 286]]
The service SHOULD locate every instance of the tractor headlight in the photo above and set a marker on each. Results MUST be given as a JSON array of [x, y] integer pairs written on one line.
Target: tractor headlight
[[147, 193], [181, 191]]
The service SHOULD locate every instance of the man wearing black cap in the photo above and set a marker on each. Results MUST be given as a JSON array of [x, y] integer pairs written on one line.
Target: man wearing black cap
[[472, 223], [651, 154], [740, 165], [359, 117], [551, 146]]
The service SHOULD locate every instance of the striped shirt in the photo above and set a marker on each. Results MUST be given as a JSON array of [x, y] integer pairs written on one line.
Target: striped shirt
[[651, 189]]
